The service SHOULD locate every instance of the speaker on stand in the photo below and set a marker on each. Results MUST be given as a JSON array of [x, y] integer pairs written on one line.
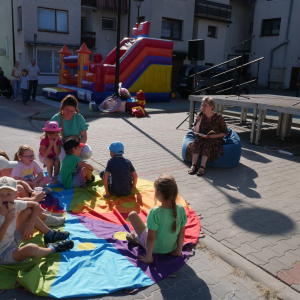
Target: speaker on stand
[[196, 52]]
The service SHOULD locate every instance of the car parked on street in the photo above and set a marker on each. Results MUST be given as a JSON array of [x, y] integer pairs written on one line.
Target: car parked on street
[[184, 83]]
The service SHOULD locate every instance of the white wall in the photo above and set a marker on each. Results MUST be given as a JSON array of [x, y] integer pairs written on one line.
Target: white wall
[[6, 62], [262, 45], [214, 47]]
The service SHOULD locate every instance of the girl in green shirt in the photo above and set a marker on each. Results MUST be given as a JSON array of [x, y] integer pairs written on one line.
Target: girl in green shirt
[[165, 228]]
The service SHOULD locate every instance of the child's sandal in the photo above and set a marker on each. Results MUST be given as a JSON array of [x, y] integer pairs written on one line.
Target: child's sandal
[[133, 240]]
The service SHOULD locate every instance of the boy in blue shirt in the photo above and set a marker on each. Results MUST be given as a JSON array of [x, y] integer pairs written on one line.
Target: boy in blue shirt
[[24, 86], [119, 177]]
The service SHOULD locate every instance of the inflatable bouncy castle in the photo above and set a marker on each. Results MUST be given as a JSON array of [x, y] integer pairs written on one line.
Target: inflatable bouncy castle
[[145, 64]]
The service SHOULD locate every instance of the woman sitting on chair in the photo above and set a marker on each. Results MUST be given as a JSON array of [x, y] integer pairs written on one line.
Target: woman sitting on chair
[[209, 130]]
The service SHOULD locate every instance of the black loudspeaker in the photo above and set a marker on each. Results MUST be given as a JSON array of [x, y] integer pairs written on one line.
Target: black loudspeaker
[[196, 50]]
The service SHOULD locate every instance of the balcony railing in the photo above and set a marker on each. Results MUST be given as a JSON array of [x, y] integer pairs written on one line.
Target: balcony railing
[[89, 38], [109, 5], [213, 10], [89, 2]]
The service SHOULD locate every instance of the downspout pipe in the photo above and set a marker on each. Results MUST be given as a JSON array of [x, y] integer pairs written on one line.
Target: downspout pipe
[[286, 36], [13, 31]]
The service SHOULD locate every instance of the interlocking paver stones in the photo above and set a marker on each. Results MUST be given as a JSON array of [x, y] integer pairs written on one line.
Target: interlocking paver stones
[[235, 198]]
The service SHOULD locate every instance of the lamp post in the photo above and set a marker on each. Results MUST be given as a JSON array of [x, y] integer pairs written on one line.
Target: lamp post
[[118, 50], [138, 4]]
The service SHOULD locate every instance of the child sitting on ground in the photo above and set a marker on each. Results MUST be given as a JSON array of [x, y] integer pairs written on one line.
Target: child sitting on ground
[[49, 219], [50, 148], [17, 222], [165, 228], [29, 170], [73, 171], [119, 177]]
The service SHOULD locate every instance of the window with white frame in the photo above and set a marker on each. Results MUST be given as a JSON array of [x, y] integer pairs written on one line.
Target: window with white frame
[[48, 61], [53, 20], [20, 18], [108, 24]]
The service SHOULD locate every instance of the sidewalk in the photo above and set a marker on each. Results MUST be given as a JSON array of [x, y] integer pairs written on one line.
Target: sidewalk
[[251, 212]]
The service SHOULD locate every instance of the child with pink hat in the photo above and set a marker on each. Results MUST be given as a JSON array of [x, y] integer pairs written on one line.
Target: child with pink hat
[[50, 148]]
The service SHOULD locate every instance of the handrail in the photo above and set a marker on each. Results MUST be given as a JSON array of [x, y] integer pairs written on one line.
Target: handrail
[[246, 64], [231, 80], [227, 61]]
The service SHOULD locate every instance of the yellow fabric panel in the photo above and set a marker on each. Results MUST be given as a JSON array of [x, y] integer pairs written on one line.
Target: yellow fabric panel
[[155, 79]]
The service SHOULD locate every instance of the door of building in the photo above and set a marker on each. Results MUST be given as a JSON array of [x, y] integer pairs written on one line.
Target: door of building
[[294, 79]]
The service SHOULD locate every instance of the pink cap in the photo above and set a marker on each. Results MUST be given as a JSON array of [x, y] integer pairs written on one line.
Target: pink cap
[[52, 126]]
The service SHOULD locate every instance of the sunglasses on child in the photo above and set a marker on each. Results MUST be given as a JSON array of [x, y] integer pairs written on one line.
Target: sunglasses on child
[[28, 156]]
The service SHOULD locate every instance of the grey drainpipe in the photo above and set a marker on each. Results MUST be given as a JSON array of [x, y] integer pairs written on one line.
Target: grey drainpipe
[[13, 31], [286, 36]]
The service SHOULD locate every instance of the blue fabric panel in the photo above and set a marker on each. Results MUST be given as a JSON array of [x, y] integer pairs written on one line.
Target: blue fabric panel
[[97, 271]]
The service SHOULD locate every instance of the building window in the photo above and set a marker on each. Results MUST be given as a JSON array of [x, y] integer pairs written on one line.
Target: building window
[[108, 24], [171, 29], [53, 20], [20, 18], [270, 27], [209, 64], [48, 61], [212, 31]]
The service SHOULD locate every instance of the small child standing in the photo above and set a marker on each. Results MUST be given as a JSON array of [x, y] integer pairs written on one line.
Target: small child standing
[[17, 222], [50, 148], [24, 86], [165, 224], [73, 171], [119, 177], [29, 170]]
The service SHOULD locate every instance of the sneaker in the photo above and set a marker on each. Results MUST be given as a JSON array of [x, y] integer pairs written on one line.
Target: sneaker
[[16, 100], [47, 212], [54, 221], [56, 179], [92, 179], [56, 236], [62, 246], [47, 190]]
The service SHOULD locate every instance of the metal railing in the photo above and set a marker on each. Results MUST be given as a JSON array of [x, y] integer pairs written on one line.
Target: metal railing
[[233, 80], [212, 9]]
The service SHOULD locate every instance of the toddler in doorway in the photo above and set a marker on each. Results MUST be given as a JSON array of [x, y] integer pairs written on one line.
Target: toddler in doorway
[[17, 222], [119, 176], [29, 170], [165, 228], [50, 148], [75, 172], [24, 86]]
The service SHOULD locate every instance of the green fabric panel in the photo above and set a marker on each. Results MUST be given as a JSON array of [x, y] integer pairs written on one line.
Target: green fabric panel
[[36, 275]]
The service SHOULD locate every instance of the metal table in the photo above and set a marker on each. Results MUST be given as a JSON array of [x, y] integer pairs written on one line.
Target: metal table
[[285, 106]]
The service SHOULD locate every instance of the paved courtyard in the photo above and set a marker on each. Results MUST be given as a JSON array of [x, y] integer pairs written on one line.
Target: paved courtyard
[[251, 210]]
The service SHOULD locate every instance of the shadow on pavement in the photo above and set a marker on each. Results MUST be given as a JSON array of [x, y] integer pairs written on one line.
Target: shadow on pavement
[[240, 178], [153, 140], [262, 221]]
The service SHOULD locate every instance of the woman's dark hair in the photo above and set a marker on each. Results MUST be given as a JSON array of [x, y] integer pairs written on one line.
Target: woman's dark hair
[[69, 100], [167, 186]]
